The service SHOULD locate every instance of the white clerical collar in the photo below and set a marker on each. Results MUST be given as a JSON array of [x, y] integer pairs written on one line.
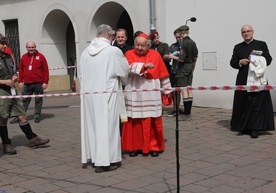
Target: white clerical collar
[[248, 42]]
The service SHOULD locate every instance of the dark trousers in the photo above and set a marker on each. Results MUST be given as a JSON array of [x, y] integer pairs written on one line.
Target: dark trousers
[[30, 89]]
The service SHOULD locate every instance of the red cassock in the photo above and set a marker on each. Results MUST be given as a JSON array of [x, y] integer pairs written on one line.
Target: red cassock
[[145, 132]]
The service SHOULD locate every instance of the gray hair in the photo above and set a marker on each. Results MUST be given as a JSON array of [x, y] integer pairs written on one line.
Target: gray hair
[[148, 41], [103, 30]]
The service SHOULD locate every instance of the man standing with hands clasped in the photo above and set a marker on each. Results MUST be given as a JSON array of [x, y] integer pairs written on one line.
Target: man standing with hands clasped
[[33, 78]]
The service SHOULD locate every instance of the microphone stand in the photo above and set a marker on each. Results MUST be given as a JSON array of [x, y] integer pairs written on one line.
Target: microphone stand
[[192, 19], [177, 138]]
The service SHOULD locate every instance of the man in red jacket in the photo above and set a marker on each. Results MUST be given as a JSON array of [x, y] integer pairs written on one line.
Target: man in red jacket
[[33, 77]]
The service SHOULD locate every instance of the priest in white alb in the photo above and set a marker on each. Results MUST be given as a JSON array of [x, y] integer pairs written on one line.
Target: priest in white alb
[[102, 69]]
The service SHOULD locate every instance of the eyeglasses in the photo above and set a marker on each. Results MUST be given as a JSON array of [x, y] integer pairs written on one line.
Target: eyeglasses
[[178, 37], [30, 47], [247, 31]]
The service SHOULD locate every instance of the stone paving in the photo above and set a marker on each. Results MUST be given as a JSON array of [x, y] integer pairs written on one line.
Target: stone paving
[[212, 158]]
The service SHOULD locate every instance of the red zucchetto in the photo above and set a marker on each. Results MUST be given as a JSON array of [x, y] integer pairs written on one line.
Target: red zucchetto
[[143, 35]]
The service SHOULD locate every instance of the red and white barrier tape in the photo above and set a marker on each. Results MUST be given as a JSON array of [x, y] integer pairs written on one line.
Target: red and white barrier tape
[[200, 88], [65, 67], [37, 96]]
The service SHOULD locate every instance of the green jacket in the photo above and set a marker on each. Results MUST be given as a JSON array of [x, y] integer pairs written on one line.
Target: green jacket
[[162, 48], [6, 66]]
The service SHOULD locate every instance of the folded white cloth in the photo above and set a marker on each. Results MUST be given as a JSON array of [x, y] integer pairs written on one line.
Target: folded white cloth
[[256, 71]]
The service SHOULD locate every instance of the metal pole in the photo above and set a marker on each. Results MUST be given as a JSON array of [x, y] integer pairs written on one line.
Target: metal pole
[[177, 138], [152, 16]]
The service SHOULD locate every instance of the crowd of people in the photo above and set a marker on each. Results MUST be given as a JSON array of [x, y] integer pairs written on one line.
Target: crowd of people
[[114, 123], [152, 64], [114, 65]]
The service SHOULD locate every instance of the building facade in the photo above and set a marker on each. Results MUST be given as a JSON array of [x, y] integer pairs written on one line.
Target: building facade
[[63, 28]]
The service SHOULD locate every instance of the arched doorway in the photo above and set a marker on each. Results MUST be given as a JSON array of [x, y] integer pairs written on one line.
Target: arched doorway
[[117, 17], [58, 45], [71, 52], [125, 23]]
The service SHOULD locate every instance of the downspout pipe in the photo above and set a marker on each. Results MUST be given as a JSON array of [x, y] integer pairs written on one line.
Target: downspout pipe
[[152, 16]]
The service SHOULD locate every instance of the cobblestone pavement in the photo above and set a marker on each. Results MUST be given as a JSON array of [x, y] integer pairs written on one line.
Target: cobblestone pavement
[[212, 158]]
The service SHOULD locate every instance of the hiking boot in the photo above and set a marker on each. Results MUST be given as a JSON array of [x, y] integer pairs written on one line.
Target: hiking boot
[[14, 121], [37, 142], [186, 117], [8, 149], [173, 113]]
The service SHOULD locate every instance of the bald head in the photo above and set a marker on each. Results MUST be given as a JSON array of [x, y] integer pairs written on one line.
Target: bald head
[[30, 43], [31, 47], [247, 33]]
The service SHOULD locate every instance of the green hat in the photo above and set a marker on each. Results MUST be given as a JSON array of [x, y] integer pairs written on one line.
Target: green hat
[[184, 28]]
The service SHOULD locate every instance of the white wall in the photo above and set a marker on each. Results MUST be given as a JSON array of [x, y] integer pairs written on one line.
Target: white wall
[[218, 29]]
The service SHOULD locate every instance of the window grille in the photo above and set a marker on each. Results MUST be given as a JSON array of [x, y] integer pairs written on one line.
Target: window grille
[[12, 35]]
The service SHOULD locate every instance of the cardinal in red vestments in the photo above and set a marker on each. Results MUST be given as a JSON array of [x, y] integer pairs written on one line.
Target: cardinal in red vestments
[[143, 132]]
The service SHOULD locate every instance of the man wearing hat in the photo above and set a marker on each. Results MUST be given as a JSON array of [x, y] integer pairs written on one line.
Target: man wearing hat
[[160, 47], [171, 51], [184, 69], [12, 107]]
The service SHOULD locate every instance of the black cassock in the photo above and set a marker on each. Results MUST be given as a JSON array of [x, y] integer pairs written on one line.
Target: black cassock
[[251, 110]]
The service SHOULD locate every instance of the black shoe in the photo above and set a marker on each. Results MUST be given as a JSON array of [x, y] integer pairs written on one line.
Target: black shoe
[[154, 154], [100, 169], [88, 163], [133, 154], [171, 114], [254, 134], [15, 120], [37, 120], [118, 164]]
